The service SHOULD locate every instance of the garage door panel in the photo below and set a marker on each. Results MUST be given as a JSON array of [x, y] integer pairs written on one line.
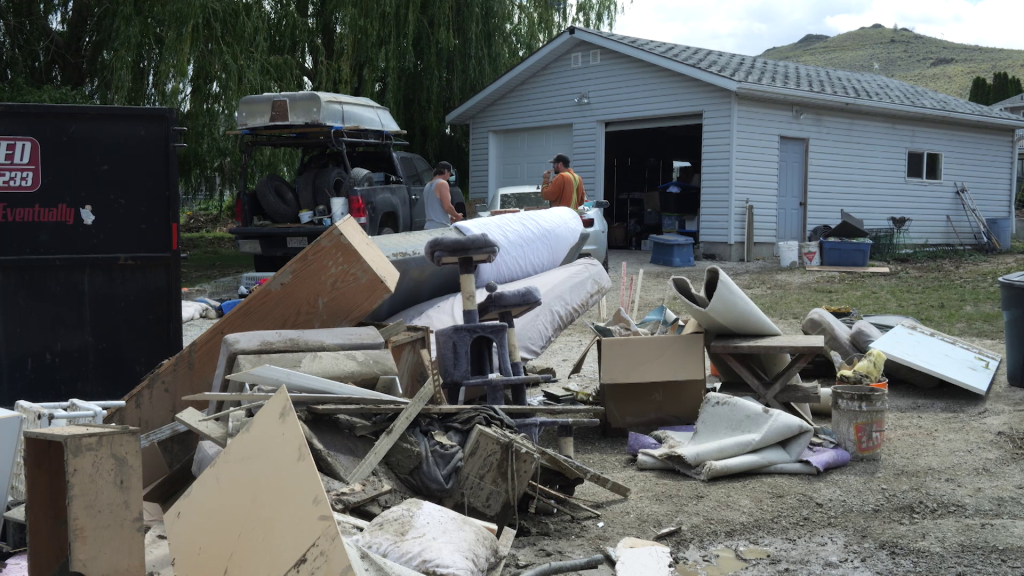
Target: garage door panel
[[523, 155]]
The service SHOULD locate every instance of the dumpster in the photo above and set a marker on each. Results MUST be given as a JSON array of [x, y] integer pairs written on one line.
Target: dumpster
[[90, 294], [1011, 288]]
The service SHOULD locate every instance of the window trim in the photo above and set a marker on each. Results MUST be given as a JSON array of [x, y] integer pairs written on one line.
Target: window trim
[[924, 166]]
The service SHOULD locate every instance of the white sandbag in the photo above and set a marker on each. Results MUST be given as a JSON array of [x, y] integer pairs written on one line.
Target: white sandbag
[[734, 435], [567, 292], [431, 540], [195, 310], [529, 242]]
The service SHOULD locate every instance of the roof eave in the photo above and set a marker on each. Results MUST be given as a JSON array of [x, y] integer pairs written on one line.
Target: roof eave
[[463, 114], [774, 93], [657, 60]]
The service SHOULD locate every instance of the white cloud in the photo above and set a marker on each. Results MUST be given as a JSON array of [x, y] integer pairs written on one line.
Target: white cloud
[[753, 26]]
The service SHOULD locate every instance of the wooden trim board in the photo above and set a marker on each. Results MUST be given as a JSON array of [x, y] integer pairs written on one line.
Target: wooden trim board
[[455, 409], [393, 433], [313, 290], [864, 270]]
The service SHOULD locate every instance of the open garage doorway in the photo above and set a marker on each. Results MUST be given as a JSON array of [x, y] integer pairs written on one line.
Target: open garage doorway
[[652, 179]]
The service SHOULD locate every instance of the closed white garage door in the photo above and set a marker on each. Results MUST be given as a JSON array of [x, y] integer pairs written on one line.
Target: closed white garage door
[[523, 155]]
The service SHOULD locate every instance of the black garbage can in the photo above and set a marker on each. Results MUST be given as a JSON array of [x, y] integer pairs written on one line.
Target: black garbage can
[[1011, 288]]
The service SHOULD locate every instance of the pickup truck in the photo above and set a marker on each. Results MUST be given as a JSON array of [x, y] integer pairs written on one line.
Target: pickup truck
[[349, 149]]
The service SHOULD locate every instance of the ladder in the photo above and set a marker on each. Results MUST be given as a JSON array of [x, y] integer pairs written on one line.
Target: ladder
[[974, 218]]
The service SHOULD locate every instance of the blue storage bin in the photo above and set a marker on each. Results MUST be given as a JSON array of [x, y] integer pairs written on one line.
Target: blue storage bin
[[671, 250], [845, 252]]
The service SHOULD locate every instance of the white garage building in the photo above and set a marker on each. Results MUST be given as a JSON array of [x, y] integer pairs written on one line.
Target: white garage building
[[799, 143]]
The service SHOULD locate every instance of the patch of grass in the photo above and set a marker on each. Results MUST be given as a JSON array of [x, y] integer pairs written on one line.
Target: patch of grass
[[958, 296], [211, 255]]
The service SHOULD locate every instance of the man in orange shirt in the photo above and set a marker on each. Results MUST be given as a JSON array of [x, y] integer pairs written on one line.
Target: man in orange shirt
[[566, 189]]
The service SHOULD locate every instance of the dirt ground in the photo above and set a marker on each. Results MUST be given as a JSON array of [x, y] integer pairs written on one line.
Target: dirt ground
[[947, 497]]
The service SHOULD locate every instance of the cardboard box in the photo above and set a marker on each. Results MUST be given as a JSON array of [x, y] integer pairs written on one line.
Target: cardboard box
[[652, 381]]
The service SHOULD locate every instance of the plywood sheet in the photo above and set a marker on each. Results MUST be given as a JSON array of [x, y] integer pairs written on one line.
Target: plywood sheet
[[336, 281], [260, 509], [945, 357]]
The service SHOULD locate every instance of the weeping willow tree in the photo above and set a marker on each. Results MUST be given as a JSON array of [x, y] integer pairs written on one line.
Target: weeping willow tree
[[420, 58]]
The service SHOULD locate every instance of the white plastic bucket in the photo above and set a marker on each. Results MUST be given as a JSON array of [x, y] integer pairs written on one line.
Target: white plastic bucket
[[789, 253], [305, 216], [339, 208], [810, 253]]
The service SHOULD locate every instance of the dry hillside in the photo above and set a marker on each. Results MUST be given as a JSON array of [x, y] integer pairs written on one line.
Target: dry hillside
[[902, 54]]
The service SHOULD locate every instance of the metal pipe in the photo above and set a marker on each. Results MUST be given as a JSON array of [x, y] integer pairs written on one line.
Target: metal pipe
[[565, 566]]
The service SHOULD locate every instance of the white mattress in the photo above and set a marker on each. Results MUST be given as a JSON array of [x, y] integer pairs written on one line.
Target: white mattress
[[529, 242]]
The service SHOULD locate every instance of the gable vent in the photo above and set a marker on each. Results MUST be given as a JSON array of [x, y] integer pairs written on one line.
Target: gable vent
[[577, 59], [595, 56]]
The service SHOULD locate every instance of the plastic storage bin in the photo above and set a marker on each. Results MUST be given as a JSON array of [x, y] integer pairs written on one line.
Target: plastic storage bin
[[1001, 230], [1011, 288], [671, 250], [845, 252]]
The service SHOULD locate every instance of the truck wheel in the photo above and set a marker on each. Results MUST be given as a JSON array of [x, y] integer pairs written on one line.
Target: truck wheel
[[360, 178], [330, 183], [388, 224], [305, 186], [278, 199]]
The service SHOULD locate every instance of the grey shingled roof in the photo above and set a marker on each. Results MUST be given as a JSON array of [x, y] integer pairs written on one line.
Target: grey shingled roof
[[1017, 100], [814, 79]]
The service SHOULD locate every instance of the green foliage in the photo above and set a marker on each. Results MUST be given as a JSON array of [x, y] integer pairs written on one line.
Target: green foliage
[[420, 58], [981, 92]]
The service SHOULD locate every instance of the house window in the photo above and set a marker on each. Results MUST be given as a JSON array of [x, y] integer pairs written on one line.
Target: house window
[[595, 56], [924, 165], [577, 59]]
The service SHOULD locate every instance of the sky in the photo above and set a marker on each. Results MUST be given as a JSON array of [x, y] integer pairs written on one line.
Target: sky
[[752, 26]]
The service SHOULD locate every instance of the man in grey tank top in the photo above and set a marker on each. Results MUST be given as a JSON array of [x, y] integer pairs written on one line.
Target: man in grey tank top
[[437, 199]]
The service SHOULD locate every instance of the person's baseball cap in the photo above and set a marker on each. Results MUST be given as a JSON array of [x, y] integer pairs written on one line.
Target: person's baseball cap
[[559, 158]]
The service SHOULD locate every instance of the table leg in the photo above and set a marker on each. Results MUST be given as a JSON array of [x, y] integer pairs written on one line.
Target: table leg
[[751, 380]]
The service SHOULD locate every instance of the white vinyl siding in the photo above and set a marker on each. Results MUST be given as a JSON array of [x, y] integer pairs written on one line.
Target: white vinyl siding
[[620, 88], [858, 163]]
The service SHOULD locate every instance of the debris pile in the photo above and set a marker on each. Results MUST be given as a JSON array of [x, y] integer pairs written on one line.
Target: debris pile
[[293, 441]]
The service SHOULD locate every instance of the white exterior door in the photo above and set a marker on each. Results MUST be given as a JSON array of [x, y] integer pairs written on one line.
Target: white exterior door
[[792, 171], [523, 155]]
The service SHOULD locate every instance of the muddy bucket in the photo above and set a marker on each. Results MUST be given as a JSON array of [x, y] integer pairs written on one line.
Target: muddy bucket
[[858, 420]]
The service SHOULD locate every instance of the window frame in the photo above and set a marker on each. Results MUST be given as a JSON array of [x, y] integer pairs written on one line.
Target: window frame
[[924, 166]]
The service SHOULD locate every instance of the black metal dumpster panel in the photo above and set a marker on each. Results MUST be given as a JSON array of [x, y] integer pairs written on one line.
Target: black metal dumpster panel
[[90, 297]]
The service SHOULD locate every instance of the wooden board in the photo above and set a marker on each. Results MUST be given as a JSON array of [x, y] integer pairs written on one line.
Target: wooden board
[[84, 484], [945, 357], [207, 429], [275, 376], [864, 270], [496, 471], [295, 398], [313, 290], [456, 408], [261, 509], [392, 434], [801, 344]]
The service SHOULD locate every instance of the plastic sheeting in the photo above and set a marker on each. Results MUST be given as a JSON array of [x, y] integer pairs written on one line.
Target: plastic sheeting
[[567, 292], [734, 435], [530, 242]]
